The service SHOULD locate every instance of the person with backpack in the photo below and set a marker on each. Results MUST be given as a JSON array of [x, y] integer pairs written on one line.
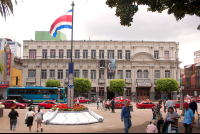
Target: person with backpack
[[13, 118], [39, 119]]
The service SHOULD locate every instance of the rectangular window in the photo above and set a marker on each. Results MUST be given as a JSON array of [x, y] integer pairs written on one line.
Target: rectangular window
[[31, 73], [120, 74], [52, 73], [76, 73], [77, 54], [157, 74], [93, 74], [128, 74], [128, 54], [85, 74], [32, 53], [68, 54], [167, 74], [111, 54], [60, 53], [67, 73], [60, 74], [52, 53], [44, 74], [101, 54], [85, 54], [101, 74], [156, 54], [166, 55], [93, 54], [111, 76], [119, 54], [44, 53]]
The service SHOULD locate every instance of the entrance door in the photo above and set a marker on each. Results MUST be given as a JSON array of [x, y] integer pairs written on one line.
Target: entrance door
[[110, 95], [143, 93]]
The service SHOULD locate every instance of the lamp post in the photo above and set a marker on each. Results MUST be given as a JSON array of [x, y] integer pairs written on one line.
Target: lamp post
[[97, 92], [59, 94], [124, 96], [182, 99]]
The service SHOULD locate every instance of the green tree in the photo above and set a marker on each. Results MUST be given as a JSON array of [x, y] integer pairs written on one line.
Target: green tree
[[167, 85], [126, 9], [53, 83], [116, 85], [82, 85], [1, 68]]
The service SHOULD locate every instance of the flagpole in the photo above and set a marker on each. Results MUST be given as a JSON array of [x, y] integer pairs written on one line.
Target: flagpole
[[72, 28]]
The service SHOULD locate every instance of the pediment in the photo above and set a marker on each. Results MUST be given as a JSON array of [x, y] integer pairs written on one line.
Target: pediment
[[143, 56]]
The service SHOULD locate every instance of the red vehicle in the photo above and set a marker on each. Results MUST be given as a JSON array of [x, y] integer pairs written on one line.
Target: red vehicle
[[177, 103], [118, 104], [82, 100], [11, 103], [121, 98], [145, 104], [198, 100], [47, 104]]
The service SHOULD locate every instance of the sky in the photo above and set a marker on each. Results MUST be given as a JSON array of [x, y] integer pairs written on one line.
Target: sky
[[94, 19]]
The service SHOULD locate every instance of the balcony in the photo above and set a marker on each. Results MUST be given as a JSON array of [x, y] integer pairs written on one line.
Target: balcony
[[128, 80], [66, 80], [51, 78], [101, 81], [143, 81], [31, 80]]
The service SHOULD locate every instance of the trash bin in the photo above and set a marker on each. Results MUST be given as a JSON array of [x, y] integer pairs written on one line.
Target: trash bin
[[131, 108], [32, 107], [1, 110]]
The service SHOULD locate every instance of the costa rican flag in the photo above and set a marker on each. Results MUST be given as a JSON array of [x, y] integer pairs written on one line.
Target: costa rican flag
[[64, 21]]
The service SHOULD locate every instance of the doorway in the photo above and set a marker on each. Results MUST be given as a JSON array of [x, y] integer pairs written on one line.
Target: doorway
[[110, 95], [143, 93]]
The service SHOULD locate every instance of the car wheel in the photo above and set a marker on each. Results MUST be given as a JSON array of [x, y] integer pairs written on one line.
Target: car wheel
[[142, 107], [18, 107], [87, 102]]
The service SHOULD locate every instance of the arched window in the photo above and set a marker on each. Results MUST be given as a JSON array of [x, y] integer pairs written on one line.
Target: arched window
[[145, 73], [139, 74]]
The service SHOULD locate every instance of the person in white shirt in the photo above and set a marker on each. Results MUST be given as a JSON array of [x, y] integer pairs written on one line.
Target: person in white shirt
[[169, 104], [103, 105], [78, 101], [108, 107], [29, 117], [39, 119]]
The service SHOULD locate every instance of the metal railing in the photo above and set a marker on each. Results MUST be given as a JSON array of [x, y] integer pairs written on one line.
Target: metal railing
[[101, 80]]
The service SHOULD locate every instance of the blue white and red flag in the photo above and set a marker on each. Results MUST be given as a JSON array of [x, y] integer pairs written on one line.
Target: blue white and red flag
[[64, 21]]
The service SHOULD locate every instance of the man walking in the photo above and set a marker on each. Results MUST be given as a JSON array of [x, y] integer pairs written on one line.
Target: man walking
[[113, 105], [157, 110], [126, 117], [169, 103], [188, 121], [193, 106]]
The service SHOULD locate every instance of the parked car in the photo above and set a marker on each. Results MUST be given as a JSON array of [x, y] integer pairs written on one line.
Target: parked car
[[82, 100], [177, 103], [47, 104], [118, 104], [11, 103], [95, 98], [145, 104], [198, 99], [121, 98], [19, 98]]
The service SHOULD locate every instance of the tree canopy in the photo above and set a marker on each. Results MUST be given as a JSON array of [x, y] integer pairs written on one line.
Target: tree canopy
[[126, 9], [53, 83], [82, 85], [116, 85], [1, 68]]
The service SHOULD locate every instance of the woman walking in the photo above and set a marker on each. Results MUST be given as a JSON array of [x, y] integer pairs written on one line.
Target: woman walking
[[97, 104], [13, 118], [103, 105], [29, 117], [108, 107], [39, 119]]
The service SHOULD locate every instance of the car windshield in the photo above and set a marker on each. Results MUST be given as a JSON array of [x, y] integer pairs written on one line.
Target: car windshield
[[16, 102], [141, 102]]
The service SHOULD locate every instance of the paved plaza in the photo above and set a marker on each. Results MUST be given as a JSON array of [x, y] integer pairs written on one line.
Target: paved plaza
[[112, 122]]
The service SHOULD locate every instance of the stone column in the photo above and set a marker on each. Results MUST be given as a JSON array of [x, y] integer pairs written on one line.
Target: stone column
[[152, 91]]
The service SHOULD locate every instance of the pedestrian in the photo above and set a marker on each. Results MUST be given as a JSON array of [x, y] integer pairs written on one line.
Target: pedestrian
[[103, 105], [97, 104], [188, 121], [1, 97], [108, 103], [170, 119], [13, 118], [113, 105], [169, 103], [193, 106], [29, 117], [151, 128], [157, 110], [77, 102], [126, 117], [39, 119]]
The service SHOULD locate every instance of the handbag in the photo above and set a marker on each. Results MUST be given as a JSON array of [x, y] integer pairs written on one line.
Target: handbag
[[26, 120]]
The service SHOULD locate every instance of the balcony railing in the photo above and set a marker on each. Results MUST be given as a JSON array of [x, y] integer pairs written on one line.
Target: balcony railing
[[51, 78], [143, 81], [101, 81], [32, 80], [129, 80]]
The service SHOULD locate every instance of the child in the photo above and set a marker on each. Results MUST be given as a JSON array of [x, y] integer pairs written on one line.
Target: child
[[97, 104]]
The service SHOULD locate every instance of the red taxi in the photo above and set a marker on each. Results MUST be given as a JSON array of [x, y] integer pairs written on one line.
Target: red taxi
[[198, 100], [121, 98], [82, 100], [47, 104], [145, 104], [118, 104], [177, 103], [11, 103]]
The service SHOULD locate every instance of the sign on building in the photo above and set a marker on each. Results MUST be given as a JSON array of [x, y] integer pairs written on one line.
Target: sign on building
[[111, 66]]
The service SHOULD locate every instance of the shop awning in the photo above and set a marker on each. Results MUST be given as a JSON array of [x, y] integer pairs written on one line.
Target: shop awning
[[197, 65], [189, 66]]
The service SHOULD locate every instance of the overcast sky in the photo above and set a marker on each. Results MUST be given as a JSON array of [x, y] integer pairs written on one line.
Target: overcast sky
[[93, 18]]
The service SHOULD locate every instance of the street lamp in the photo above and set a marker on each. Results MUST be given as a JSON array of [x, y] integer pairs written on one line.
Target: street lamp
[[182, 99], [124, 96], [59, 94]]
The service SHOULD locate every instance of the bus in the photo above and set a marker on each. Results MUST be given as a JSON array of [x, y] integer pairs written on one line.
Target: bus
[[38, 94]]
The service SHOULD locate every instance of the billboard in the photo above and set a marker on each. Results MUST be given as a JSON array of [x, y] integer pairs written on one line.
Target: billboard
[[8, 59], [111, 66], [102, 64]]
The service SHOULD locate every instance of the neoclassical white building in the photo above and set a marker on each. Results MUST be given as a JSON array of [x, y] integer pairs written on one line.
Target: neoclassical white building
[[139, 63]]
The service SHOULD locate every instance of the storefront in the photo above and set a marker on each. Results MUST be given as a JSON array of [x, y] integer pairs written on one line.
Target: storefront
[[143, 90]]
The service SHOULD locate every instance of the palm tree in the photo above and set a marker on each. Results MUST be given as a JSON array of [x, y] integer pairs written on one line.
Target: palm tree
[[6, 7]]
